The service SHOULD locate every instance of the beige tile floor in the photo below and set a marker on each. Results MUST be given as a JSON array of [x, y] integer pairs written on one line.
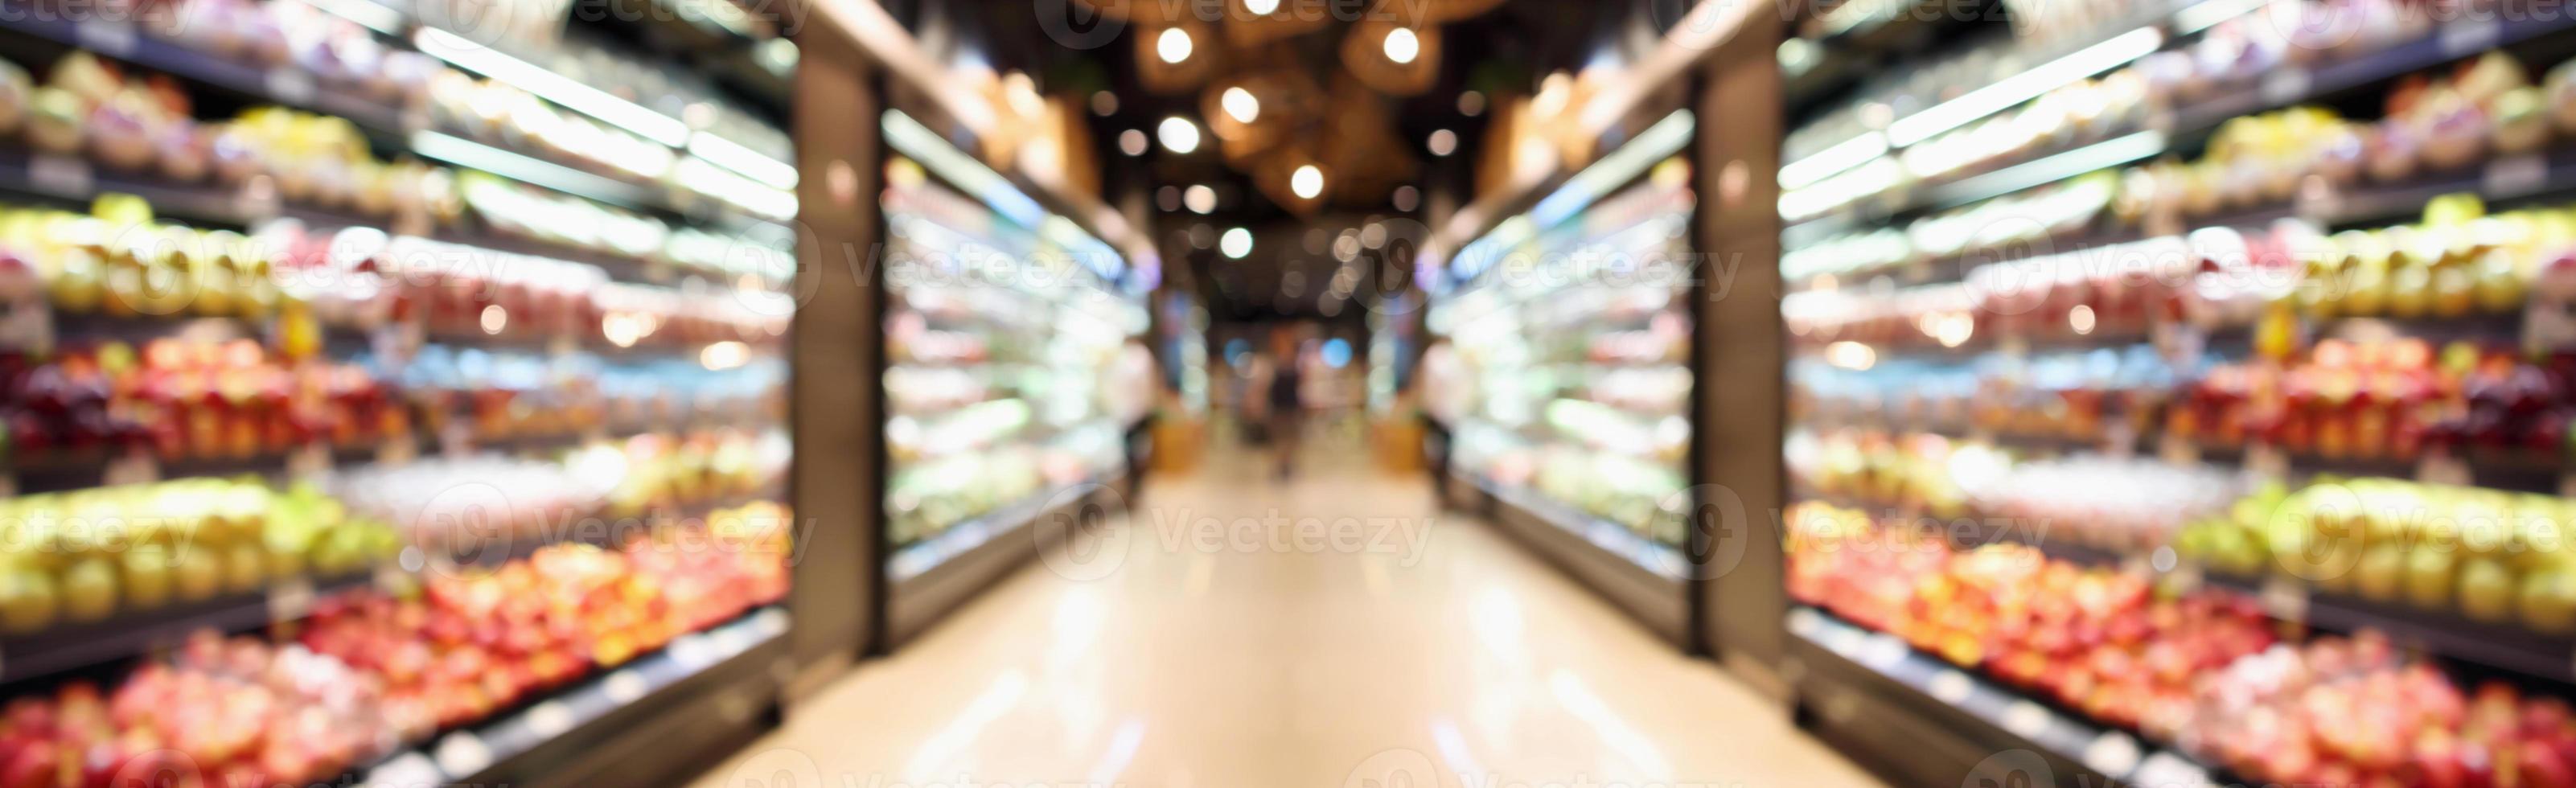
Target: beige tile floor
[[1400, 648]]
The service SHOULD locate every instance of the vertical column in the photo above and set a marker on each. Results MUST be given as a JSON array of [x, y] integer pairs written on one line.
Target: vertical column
[[1740, 353], [835, 357]]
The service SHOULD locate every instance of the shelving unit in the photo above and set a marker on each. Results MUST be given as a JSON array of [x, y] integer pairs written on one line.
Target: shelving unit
[[1894, 411], [681, 376], [1014, 374], [1571, 381]]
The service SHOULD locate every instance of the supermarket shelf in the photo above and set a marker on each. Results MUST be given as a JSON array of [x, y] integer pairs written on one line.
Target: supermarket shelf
[[2444, 633], [1650, 581], [73, 180], [92, 467], [67, 648], [2280, 87], [1923, 721], [2290, 84], [290, 85], [927, 579], [674, 711]]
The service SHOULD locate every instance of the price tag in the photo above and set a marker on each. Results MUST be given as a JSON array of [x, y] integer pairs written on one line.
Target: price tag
[[2470, 36], [408, 770], [2266, 461], [2285, 85], [2112, 753], [2185, 578], [107, 37], [27, 326], [2285, 599], [397, 451], [290, 601], [462, 754], [310, 463], [1884, 652], [2442, 468], [624, 687], [62, 176], [290, 85], [136, 467], [2025, 719], [549, 719], [1951, 687], [2515, 176]]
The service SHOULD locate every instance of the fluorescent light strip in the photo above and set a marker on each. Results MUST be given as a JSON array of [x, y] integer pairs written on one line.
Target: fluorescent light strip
[[1826, 163], [733, 156], [2204, 15], [366, 13], [548, 85], [1665, 138], [2013, 90], [956, 167], [468, 153], [2100, 155]]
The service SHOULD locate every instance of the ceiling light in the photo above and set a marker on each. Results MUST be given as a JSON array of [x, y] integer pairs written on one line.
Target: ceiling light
[[1402, 46], [1236, 244], [1179, 135], [1168, 198], [1104, 103], [1307, 182], [1200, 199], [1471, 103], [1241, 105], [1261, 7], [1444, 142], [1173, 45], [1132, 142], [1407, 198]]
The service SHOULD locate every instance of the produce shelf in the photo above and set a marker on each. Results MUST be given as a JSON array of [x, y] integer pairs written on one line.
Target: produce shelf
[[1648, 580], [76, 181], [2444, 633], [2280, 87], [928, 578], [389, 127], [68, 647], [1935, 724], [290, 85], [664, 713]]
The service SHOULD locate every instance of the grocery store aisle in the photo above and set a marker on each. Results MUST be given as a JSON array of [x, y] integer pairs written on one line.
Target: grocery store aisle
[[1233, 641]]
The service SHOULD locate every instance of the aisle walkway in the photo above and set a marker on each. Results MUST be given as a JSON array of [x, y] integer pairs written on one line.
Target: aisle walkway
[[1402, 649]]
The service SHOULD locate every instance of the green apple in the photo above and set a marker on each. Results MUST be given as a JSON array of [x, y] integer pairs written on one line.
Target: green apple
[[89, 590], [28, 602], [2548, 601], [2486, 591]]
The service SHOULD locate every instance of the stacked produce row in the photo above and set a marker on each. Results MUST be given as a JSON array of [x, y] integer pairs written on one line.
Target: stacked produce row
[[365, 385], [1014, 371], [1564, 371], [2209, 387]]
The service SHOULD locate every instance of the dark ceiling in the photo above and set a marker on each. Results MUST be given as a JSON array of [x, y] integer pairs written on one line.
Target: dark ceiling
[[1504, 51]]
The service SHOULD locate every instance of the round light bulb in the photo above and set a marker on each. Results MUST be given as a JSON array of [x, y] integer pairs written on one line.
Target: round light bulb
[[1241, 105], [1236, 244], [1173, 45], [1402, 46], [1307, 182], [1178, 134]]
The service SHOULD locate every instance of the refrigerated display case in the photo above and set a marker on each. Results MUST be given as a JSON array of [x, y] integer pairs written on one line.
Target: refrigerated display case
[[1559, 380], [2177, 397], [1017, 375], [379, 410]]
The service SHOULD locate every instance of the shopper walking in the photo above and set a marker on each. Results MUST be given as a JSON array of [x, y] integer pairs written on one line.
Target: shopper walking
[[1287, 409]]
